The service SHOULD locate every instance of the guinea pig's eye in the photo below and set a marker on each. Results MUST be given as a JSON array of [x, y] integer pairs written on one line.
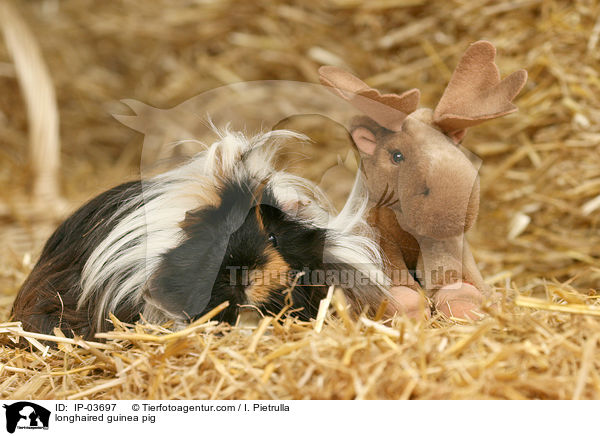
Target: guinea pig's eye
[[273, 239], [397, 157]]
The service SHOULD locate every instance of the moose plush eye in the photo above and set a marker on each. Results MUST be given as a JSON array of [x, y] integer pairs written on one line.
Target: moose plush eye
[[397, 157], [273, 239]]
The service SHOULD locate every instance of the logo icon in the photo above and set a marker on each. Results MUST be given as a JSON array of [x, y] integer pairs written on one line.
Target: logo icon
[[26, 415]]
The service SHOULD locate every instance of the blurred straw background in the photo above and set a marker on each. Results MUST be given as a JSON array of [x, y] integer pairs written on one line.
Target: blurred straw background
[[537, 238]]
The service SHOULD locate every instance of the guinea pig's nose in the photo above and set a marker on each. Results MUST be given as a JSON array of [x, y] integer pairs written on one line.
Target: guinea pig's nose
[[425, 191]]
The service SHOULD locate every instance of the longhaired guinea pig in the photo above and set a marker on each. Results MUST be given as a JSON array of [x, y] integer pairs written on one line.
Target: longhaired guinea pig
[[224, 226]]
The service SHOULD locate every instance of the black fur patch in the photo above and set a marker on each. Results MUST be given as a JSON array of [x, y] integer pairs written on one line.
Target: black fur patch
[[206, 269]]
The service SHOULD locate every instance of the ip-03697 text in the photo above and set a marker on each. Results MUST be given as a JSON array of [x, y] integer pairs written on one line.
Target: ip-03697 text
[[95, 407]]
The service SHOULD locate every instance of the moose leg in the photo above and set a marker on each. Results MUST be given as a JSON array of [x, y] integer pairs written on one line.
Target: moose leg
[[443, 270], [398, 271], [408, 297], [471, 273], [442, 261], [399, 247], [408, 302], [460, 300]]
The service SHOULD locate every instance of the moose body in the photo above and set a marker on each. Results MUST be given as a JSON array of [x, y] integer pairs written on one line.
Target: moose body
[[424, 192]]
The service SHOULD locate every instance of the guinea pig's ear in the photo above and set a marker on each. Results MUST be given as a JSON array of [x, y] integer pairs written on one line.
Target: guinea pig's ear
[[295, 207]]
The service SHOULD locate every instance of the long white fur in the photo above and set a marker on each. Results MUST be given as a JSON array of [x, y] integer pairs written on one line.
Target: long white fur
[[149, 225]]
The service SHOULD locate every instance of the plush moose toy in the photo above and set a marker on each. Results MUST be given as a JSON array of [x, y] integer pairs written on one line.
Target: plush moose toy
[[423, 191]]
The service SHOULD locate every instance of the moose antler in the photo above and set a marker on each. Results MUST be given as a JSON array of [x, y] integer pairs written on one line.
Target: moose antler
[[475, 93], [388, 110]]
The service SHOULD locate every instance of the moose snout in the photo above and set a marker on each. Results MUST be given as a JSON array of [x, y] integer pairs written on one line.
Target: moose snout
[[446, 202]]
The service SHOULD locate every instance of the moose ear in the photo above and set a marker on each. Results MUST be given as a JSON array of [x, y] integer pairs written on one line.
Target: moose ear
[[364, 140]]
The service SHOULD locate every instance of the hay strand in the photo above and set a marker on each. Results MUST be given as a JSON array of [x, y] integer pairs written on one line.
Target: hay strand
[[42, 111]]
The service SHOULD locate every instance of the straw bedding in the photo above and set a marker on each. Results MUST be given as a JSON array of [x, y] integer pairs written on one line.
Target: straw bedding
[[537, 238]]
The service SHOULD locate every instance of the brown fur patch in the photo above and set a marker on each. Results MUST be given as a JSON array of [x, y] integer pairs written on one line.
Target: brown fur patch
[[42, 304], [207, 198], [272, 277], [400, 247], [258, 201]]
